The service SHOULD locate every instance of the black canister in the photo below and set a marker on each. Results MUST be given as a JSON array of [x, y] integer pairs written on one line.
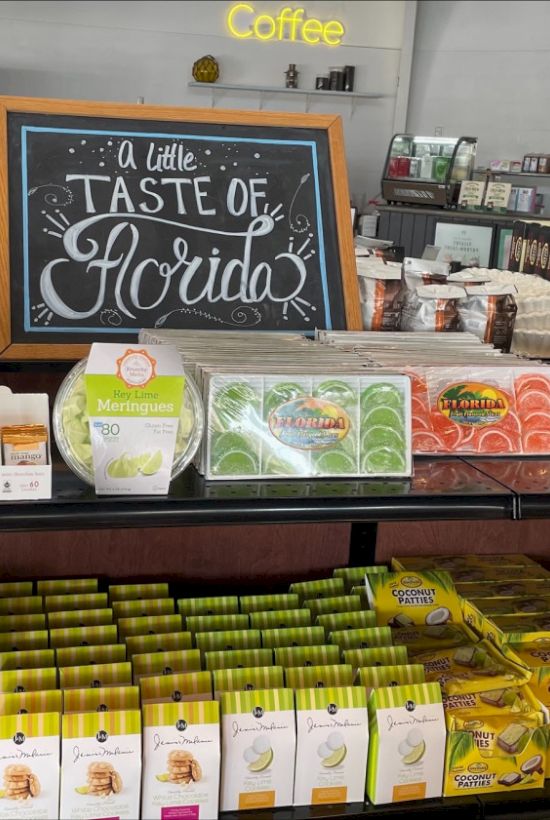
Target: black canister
[[322, 81], [337, 78], [349, 77]]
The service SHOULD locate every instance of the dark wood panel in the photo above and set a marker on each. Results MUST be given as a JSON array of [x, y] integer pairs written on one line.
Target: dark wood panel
[[245, 556]]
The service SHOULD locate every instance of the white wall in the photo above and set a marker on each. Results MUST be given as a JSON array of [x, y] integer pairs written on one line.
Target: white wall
[[481, 69], [123, 50]]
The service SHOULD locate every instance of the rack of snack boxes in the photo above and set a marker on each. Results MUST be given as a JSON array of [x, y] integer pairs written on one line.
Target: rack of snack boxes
[[425, 681]]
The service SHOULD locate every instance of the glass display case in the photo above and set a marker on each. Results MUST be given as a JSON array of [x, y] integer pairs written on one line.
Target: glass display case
[[427, 170]]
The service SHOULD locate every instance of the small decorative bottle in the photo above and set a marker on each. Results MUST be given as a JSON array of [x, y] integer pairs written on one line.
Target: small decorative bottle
[[291, 76]]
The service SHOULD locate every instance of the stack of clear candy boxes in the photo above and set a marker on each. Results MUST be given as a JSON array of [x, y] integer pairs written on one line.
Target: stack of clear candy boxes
[[269, 426]]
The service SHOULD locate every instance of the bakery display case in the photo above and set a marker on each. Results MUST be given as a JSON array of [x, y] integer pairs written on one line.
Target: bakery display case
[[427, 170]]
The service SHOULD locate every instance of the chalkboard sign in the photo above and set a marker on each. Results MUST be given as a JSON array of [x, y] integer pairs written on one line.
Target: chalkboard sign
[[123, 217]]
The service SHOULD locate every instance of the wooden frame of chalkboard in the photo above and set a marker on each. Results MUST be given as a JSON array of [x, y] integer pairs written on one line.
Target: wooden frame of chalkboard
[[115, 217]]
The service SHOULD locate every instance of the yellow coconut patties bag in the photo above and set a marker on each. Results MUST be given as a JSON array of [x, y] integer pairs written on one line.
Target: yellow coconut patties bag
[[403, 599]]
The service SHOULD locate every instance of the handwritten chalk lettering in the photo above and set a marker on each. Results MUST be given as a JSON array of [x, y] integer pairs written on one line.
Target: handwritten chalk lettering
[[210, 280], [173, 157], [238, 189]]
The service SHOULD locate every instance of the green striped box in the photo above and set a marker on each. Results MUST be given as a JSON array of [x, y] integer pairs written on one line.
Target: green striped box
[[325, 588], [184, 686], [18, 623], [80, 617], [14, 588], [28, 639], [28, 680], [332, 726], [362, 638], [238, 658], [258, 727], [27, 659], [151, 624], [31, 702], [361, 590], [133, 592], [67, 586], [400, 718], [83, 655], [322, 655], [166, 663], [258, 677], [101, 699], [232, 639], [268, 603], [143, 607], [294, 636], [347, 620], [373, 677], [87, 600], [83, 636], [32, 739], [337, 603], [24, 605], [165, 642], [353, 576], [376, 656], [216, 623], [308, 677], [194, 726], [221, 605], [95, 675], [280, 618], [114, 736]]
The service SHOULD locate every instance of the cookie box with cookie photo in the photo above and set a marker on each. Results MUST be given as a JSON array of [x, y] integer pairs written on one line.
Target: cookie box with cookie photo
[[258, 742], [181, 759], [101, 758], [29, 772], [491, 753]]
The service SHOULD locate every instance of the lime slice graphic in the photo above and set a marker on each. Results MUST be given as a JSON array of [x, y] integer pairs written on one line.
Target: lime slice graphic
[[336, 391], [153, 463], [383, 460], [335, 462], [416, 755], [263, 762], [335, 758], [281, 393], [383, 416], [82, 789], [379, 436], [234, 403], [235, 462], [164, 778], [381, 394]]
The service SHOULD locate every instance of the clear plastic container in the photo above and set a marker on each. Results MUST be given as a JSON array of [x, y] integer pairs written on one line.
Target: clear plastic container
[[72, 434]]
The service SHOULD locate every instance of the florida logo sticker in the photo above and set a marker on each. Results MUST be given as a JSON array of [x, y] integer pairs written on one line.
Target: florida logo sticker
[[473, 404], [309, 424]]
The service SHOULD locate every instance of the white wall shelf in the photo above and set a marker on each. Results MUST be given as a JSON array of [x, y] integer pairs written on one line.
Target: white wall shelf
[[264, 90]]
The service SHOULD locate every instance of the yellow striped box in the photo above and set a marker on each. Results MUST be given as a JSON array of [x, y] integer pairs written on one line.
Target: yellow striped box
[[80, 636], [258, 749], [280, 618], [216, 623], [67, 586], [332, 744], [31, 702], [353, 576], [87, 600], [142, 607], [334, 604], [317, 677], [28, 680], [29, 747], [24, 640], [166, 663], [21, 622], [149, 625], [374, 677], [288, 656], [376, 656], [230, 639], [84, 655], [238, 658], [362, 638], [294, 636], [27, 659], [407, 743], [245, 680], [80, 617], [15, 588], [23, 605], [101, 746], [181, 760], [324, 588], [270, 602], [102, 699], [135, 592], [95, 675], [183, 686], [220, 605], [165, 642], [361, 619]]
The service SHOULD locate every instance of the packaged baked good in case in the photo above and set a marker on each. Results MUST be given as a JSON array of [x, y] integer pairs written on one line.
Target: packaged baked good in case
[[379, 287], [433, 308], [489, 311]]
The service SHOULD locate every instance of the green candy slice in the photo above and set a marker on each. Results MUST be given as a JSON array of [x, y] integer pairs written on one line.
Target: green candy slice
[[383, 460], [384, 394], [383, 417], [281, 393], [235, 462], [235, 404], [378, 436], [336, 391], [335, 462]]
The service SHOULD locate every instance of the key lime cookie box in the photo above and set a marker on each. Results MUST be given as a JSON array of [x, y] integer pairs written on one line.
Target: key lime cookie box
[[181, 760], [407, 729], [101, 762], [259, 743], [403, 599], [29, 750], [261, 426], [490, 753], [332, 745]]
